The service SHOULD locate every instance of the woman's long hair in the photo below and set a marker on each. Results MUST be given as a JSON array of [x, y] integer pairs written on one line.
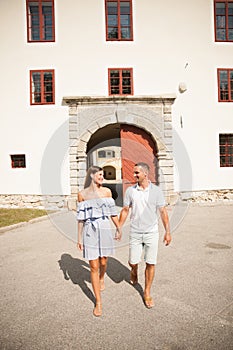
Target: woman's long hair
[[92, 170]]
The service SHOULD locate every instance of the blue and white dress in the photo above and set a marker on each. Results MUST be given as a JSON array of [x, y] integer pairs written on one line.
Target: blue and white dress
[[97, 229]]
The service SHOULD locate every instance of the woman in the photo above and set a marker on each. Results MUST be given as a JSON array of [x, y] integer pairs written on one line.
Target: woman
[[95, 207]]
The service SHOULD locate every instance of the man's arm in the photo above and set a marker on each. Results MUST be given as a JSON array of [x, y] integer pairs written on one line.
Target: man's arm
[[123, 215], [165, 219]]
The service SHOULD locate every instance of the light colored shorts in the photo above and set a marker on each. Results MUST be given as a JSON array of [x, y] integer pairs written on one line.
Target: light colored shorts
[[143, 242]]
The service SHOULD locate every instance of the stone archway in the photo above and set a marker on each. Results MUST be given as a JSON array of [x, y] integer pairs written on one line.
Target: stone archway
[[89, 114]]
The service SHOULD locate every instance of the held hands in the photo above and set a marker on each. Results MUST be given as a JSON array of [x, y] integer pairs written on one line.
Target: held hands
[[118, 234], [167, 238]]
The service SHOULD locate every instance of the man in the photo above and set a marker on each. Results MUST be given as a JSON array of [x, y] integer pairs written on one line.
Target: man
[[144, 199]]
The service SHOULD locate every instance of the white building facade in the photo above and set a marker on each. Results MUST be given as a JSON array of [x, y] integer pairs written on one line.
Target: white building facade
[[79, 76]]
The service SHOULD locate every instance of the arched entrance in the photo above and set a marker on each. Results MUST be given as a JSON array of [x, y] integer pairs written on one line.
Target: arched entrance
[[94, 122], [117, 148]]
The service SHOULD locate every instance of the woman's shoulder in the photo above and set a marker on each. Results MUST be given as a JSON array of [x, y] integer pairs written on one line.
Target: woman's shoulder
[[81, 196], [106, 192]]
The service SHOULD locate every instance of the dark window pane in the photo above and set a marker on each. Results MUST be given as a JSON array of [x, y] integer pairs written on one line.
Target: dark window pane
[[18, 161], [126, 81], [223, 161], [223, 75], [230, 34], [114, 73], [126, 73], [48, 98], [112, 20], [222, 150], [112, 8], [126, 90], [221, 22], [101, 154], [230, 139], [113, 33], [125, 20], [115, 91], [35, 34], [125, 33], [47, 15], [222, 139], [224, 95], [115, 82], [220, 8], [48, 86], [125, 7], [36, 78], [230, 8], [230, 21], [221, 35]]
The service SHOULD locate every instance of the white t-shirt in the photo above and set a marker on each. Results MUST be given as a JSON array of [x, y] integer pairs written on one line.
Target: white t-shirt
[[144, 205]]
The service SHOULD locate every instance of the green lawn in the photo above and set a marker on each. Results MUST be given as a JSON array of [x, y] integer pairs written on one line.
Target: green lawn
[[14, 216]]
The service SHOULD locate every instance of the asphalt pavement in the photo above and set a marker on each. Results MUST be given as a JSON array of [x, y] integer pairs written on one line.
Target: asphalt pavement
[[47, 300]]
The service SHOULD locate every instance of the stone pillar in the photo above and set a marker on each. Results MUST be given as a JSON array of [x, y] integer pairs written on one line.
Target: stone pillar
[[165, 156], [73, 143]]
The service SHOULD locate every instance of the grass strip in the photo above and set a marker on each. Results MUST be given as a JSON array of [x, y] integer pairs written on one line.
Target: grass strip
[[14, 216]]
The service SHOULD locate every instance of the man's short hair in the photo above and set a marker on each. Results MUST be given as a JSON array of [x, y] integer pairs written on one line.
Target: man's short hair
[[144, 166]]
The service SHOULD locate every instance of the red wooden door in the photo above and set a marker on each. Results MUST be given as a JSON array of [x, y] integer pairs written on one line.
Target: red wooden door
[[136, 146]]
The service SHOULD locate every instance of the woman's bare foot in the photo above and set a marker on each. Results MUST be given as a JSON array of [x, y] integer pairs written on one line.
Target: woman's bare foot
[[102, 285], [97, 312]]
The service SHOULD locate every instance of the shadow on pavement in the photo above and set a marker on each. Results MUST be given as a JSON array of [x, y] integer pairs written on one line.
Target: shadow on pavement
[[119, 273], [78, 272]]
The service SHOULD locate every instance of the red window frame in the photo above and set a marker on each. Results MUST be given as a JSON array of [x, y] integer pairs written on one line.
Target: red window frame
[[120, 81], [119, 27], [226, 150], [41, 23], [223, 22], [18, 161], [42, 89], [225, 84]]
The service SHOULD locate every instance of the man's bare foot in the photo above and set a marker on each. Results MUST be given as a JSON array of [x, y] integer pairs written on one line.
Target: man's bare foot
[[149, 302], [133, 277]]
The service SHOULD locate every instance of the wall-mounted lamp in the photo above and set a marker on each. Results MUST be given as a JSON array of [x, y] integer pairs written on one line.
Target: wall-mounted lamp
[[182, 87]]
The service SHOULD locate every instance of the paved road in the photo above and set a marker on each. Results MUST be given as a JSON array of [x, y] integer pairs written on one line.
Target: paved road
[[47, 301]]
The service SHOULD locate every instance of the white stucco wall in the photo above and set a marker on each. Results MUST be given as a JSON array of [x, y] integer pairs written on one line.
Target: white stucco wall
[[173, 43]]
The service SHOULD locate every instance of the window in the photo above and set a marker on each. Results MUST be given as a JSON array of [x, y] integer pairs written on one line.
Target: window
[[40, 20], [225, 85], [223, 20], [120, 81], [119, 20], [42, 87], [109, 172], [106, 154], [18, 161], [110, 154], [226, 150]]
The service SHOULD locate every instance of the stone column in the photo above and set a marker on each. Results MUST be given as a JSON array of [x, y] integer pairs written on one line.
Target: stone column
[[73, 143]]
